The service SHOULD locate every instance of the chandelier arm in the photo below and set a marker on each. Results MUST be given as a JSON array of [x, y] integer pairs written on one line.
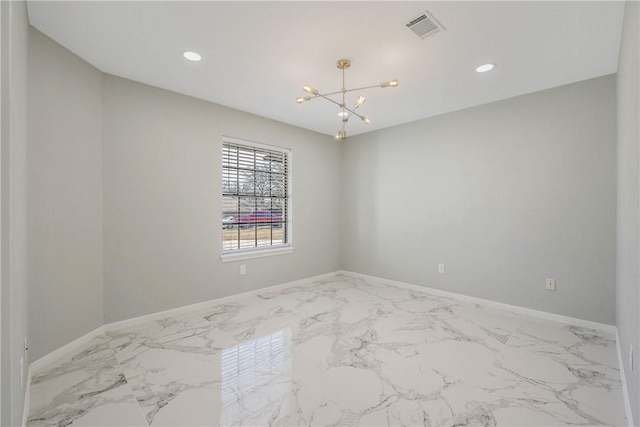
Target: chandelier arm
[[339, 105], [323, 95], [362, 88], [353, 113], [330, 100], [327, 94]]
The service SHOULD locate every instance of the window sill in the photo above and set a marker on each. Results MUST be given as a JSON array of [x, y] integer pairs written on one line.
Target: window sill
[[240, 256]]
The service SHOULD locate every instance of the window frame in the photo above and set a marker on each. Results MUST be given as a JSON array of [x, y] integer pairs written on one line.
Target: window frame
[[264, 251]]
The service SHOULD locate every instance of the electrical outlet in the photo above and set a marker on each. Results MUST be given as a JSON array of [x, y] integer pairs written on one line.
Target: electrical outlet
[[631, 357], [440, 268], [550, 284], [243, 269]]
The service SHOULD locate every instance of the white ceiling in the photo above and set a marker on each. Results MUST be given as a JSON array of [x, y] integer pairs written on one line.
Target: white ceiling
[[257, 55]]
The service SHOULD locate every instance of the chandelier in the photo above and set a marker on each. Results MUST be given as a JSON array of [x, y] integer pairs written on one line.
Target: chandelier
[[345, 112]]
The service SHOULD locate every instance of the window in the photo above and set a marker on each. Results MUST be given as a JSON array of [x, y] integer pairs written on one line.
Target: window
[[255, 197]]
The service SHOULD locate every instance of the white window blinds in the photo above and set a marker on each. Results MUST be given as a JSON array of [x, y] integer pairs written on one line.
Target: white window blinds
[[255, 196]]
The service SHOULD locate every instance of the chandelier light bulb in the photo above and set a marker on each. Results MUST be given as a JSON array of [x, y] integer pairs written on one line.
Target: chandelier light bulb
[[392, 83], [366, 119], [300, 100], [309, 89], [360, 101]]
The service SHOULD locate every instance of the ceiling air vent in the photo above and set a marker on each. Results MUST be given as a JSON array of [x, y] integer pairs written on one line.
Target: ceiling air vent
[[425, 25]]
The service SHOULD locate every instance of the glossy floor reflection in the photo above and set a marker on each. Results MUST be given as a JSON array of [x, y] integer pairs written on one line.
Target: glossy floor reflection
[[341, 351]]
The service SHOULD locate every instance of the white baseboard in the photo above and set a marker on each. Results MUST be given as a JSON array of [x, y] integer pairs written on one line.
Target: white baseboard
[[493, 304], [623, 378], [65, 350], [201, 305], [78, 343], [27, 392]]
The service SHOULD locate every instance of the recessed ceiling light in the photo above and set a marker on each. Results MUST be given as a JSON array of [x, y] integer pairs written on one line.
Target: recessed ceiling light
[[486, 67], [192, 56]]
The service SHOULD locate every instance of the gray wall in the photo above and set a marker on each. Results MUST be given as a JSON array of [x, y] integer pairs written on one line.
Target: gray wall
[[505, 195], [628, 253], [162, 179], [64, 195], [13, 155], [123, 199], [124, 206]]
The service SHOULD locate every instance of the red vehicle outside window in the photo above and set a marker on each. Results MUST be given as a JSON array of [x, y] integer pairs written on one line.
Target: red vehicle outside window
[[259, 217]]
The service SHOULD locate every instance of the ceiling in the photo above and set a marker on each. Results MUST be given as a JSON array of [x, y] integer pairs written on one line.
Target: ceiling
[[257, 55]]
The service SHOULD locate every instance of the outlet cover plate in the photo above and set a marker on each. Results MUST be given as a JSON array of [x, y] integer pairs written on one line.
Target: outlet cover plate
[[550, 284]]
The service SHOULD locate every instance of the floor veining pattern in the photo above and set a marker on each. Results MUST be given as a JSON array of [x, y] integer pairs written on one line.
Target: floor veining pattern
[[342, 351]]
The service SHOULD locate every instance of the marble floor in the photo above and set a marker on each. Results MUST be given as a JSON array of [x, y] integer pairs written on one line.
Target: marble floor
[[342, 351]]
